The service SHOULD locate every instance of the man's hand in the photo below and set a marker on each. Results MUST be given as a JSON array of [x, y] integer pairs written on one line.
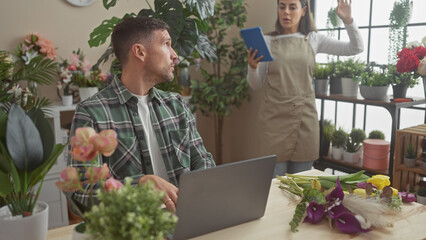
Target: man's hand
[[170, 190], [344, 11]]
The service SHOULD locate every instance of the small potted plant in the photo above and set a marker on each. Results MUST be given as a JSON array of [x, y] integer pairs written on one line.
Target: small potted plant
[[338, 140], [421, 195], [376, 134], [27, 153], [374, 84], [352, 146], [410, 157], [328, 129], [347, 71], [322, 74]]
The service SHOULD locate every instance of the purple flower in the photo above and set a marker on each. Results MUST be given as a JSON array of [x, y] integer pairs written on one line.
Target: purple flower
[[337, 194], [363, 185], [315, 213], [347, 223], [407, 197]]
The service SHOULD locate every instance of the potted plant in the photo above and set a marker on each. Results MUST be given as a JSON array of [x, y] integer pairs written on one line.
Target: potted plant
[[27, 153], [327, 133], [376, 134], [411, 156], [399, 19], [124, 220], [374, 84], [421, 195], [338, 140], [347, 71], [225, 86], [352, 146], [322, 74]]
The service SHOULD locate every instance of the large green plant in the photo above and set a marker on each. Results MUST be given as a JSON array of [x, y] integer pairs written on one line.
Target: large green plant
[[225, 86], [187, 21], [398, 20], [26, 156]]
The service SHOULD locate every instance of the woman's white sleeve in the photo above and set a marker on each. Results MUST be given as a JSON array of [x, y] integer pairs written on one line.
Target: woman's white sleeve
[[342, 48], [256, 77]]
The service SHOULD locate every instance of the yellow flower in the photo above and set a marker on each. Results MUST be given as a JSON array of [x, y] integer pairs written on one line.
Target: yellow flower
[[360, 191], [380, 181], [316, 184], [394, 191]]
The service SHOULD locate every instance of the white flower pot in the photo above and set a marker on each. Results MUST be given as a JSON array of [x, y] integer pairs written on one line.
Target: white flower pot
[[33, 227], [351, 157], [337, 153], [410, 162], [86, 92], [349, 87], [67, 100], [421, 199]]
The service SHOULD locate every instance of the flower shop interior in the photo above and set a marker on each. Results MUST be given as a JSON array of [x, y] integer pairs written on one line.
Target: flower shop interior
[[75, 36]]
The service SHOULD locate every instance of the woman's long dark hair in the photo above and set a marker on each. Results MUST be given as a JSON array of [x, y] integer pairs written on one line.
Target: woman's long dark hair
[[306, 24]]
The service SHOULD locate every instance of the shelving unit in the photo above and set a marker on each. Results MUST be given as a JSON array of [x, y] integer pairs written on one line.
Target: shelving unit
[[58, 210], [402, 174], [394, 110]]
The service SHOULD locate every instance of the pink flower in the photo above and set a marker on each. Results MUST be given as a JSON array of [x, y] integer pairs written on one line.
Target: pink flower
[[82, 148], [72, 67], [102, 77], [105, 142], [74, 59], [96, 174], [112, 184], [86, 65], [71, 180]]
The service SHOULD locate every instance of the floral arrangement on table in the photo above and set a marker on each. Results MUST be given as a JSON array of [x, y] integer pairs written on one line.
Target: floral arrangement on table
[[27, 153], [354, 203], [137, 212], [411, 59], [76, 70]]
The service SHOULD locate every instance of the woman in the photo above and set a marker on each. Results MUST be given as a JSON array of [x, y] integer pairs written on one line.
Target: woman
[[288, 117]]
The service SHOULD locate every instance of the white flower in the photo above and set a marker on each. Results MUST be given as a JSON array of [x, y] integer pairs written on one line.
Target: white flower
[[413, 44], [29, 55]]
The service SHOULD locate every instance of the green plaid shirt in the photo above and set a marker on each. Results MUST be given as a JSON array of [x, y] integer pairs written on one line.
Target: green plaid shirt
[[116, 108]]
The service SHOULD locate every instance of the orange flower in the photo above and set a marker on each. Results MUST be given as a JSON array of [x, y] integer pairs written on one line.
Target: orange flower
[[105, 142], [95, 174], [82, 148], [71, 180], [112, 184]]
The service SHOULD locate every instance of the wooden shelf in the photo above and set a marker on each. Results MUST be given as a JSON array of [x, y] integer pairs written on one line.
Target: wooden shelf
[[355, 166], [417, 169]]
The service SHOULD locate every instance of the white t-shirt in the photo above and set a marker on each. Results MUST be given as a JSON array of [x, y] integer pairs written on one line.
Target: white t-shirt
[[151, 139], [320, 44]]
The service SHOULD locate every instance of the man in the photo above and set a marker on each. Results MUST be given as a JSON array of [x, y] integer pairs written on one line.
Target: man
[[156, 133]]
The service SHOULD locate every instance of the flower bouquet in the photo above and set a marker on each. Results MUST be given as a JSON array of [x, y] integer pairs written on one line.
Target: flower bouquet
[[136, 211], [353, 203], [412, 58]]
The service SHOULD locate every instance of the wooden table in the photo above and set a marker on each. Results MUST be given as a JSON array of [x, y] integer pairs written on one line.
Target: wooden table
[[409, 224]]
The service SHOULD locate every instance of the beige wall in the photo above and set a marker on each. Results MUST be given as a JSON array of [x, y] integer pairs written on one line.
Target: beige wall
[[68, 27]]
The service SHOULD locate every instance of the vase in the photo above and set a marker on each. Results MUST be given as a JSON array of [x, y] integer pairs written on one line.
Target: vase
[[33, 227], [399, 91], [374, 92], [86, 92], [78, 234], [349, 87], [67, 100], [321, 86]]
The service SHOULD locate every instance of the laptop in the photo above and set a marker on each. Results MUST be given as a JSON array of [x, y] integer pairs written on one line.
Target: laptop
[[224, 196]]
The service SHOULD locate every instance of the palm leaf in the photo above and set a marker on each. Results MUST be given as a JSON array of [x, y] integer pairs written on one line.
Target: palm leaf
[[40, 70]]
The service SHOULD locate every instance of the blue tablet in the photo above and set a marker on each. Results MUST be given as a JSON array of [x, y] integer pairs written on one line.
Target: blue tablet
[[253, 38]]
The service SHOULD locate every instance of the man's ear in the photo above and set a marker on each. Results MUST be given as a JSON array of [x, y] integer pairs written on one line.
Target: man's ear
[[138, 51]]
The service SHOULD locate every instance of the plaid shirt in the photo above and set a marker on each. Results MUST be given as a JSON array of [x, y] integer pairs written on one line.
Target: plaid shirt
[[116, 108]]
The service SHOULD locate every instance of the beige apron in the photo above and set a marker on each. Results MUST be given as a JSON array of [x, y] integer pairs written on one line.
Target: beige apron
[[288, 118]]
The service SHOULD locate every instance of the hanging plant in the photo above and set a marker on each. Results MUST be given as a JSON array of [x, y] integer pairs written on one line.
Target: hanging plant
[[399, 18]]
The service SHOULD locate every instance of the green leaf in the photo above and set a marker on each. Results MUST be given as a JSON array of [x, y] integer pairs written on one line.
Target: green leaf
[[40, 70], [171, 12], [103, 31], [35, 176], [43, 126], [187, 39], [3, 124], [5, 185], [110, 4], [23, 140], [205, 8], [205, 48]]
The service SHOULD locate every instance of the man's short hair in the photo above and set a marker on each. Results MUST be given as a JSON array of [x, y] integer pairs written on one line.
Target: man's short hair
[[132, 30]]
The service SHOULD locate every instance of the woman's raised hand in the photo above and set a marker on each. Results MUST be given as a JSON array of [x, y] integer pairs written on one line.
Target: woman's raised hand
[[344, 10], [253, 62]]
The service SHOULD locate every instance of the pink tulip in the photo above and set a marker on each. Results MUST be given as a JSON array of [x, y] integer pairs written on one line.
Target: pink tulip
[[72, 67], [71, 180], [82, 148], [105, 142], [95, 174], [86, 65], [112, 184]]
